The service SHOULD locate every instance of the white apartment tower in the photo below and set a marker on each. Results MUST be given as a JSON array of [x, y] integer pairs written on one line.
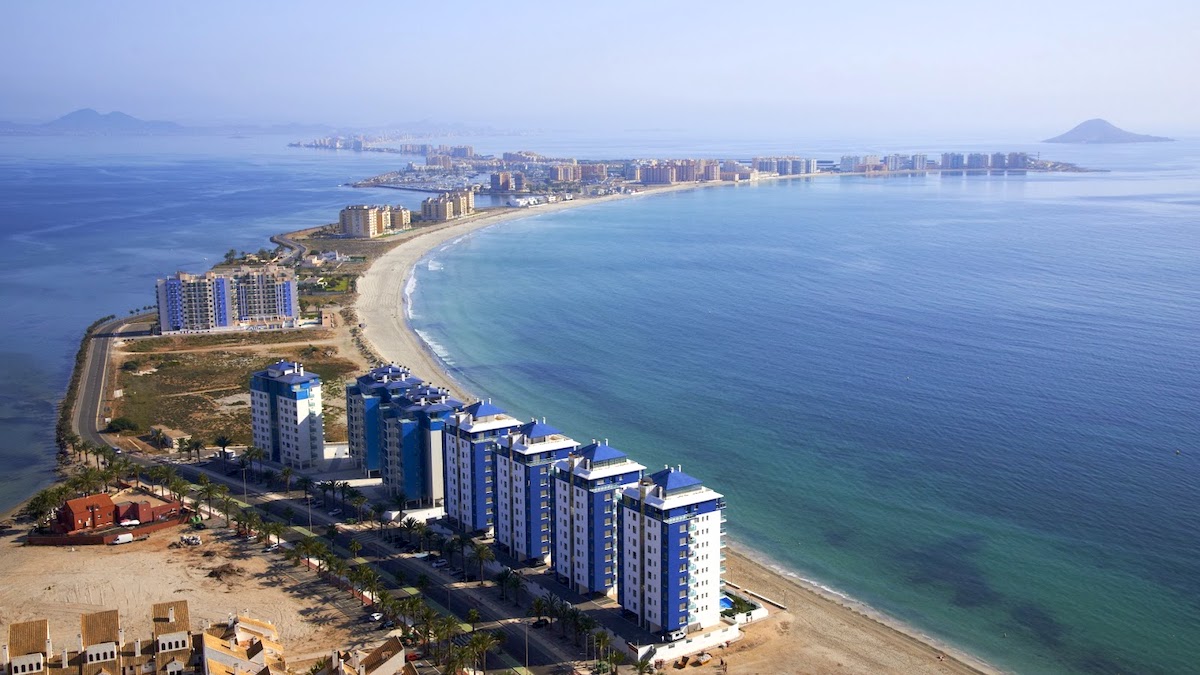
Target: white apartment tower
[[285, 414]]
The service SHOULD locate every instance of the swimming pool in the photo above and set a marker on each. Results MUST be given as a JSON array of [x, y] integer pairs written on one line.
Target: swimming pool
[[726, 602]]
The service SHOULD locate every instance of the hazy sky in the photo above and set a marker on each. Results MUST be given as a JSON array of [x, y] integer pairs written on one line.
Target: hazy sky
[[962, 66]]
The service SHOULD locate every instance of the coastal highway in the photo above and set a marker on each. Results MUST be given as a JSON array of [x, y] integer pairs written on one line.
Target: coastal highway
[[89, 400]]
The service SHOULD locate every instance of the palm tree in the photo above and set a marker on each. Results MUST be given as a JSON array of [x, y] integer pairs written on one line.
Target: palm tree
[[484, 555], [643, 666], [502, 578], [254, 453], [422, 530], [602, 640], [274, 530], [354, 547], [325, 487], [376, 512], [538, 608], [409, 525], [516, 584], [480, 644], [358, 500], [70, 440], [226, 504], [338, 569], [444, 629], [158, 438], [209, 491], [460, 542], [473, 618], [617, 659], [342, 487], [222, 441], [286, 475]]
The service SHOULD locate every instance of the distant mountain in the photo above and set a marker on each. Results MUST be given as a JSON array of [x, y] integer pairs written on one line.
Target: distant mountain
[[1100, 131], [88, 121]]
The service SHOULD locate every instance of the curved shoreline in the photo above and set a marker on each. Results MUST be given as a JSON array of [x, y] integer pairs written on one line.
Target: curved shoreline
[[865, 637]]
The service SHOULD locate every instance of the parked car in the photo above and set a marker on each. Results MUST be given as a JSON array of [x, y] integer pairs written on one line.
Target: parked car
[[414, 655], [440, 563], [335, 512], [387, 625], [375, 616], [272, 547], [540, 623]]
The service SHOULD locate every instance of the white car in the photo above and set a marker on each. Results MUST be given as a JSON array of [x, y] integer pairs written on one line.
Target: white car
[[439, 563], [377, 616]]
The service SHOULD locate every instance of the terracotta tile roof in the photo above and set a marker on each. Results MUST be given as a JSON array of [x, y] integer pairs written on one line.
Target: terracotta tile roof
[[81, 504], [100, 627], [162, 617], [28, 637], [382, 653]]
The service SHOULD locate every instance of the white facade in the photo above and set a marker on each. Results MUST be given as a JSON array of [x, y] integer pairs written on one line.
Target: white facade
[[672, 537], [286, 415], [470, 475], [522, 514]]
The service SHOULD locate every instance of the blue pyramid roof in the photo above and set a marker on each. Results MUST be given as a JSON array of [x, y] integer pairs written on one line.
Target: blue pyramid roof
[[601, 452], [536, 429], [672, 479], [483, 409]]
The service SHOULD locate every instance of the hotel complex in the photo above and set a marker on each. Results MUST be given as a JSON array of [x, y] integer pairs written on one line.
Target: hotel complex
[[285, 414], [250, 297]]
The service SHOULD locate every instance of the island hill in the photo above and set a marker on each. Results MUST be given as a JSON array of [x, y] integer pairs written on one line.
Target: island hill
[[1101, 131]]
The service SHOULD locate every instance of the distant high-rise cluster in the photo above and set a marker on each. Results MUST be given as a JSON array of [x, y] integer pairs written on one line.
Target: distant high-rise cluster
[[655, 542], [250, 297], [448, 206], [367, 222]]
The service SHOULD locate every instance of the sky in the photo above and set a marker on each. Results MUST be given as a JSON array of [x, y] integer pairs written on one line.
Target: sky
[[830, 67]]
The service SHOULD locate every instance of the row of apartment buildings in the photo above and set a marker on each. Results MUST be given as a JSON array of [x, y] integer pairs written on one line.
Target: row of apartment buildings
[[364, 221], [448, 206], [606, 526], [920, 162], [248, 297]]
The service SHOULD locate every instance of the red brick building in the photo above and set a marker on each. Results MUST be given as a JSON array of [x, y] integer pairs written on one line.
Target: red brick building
[[99, 512]]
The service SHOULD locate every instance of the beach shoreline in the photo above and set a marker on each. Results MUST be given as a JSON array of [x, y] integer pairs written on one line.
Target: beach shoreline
[[838, 631]]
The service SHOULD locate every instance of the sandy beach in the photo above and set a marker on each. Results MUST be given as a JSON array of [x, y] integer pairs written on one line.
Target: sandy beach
[[819, 632]]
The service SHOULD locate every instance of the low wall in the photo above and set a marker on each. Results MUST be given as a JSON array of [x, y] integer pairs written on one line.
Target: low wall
[[668, 652], [102, 539]]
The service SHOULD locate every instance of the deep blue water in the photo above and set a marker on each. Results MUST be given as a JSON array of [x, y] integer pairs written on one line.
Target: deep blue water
[[958, 399]]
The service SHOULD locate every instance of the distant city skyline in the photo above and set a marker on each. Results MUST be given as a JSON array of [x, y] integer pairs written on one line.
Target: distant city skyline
[[872, 67]]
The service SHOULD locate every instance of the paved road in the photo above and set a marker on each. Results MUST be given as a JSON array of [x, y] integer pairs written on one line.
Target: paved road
[[90, 397]]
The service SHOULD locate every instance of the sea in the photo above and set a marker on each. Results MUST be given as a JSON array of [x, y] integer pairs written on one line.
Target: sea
[[967, 401]]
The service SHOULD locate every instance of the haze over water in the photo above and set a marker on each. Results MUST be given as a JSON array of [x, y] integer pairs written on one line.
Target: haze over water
[[958, 399]]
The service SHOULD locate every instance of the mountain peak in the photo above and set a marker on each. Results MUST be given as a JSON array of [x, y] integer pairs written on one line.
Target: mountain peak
[[1097, 130], [89, 121]]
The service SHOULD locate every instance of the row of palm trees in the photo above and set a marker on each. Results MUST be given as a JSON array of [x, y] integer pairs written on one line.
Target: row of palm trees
[[421, 622]]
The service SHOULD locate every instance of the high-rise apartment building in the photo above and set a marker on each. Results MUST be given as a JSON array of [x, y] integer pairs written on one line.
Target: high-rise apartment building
[[587, 487], [999, 160], [366, 400], [920, 162], [658, 175], [670, 554], [977, 160], [593, 172], [285, 414], [470, 463], [523, 460], [414, 427], [1018, 160], [952, 160], [366, 222], [263, 297], [448, 206], [712, 171], [850, 163], [502, 181]]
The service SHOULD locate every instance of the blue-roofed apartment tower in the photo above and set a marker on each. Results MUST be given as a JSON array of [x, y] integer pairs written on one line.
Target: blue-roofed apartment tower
[[366, 399], [285, 414], [524, 458], [672, 531], [414, 430], [470, 464], [587, 487]]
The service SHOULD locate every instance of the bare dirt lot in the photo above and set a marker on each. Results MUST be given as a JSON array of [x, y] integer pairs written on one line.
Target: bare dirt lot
[[60, 584]]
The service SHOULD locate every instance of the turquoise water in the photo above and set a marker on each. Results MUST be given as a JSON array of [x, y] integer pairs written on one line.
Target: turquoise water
[[958, 399]]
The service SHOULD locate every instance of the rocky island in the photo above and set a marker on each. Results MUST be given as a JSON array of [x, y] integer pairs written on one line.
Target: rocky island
[[1101, 131]]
